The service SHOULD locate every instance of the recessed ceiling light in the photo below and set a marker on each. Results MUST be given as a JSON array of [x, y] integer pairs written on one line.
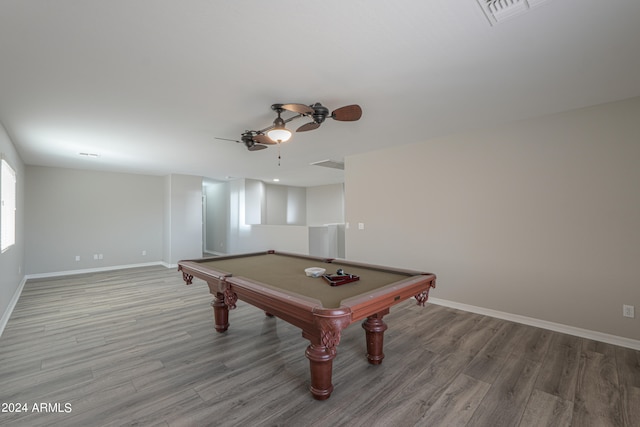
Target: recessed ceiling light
[[276, 179]]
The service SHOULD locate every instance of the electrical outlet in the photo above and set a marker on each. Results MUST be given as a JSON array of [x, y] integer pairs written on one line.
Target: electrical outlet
[[628, 311], [77, 257]]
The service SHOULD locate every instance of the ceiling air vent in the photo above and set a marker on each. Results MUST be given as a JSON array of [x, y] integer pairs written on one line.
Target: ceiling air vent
[[499, 10], [329, 164]]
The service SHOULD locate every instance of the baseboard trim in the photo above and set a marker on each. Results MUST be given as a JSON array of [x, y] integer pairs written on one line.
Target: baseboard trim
[[12, 304], [556, 327], [97, 270]]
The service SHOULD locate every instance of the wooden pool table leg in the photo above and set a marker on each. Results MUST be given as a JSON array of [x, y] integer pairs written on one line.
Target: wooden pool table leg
[[375, 327], [321, 365], [220, 312]]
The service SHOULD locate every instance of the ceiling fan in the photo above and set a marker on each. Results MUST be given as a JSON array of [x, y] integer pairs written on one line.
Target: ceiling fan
[[256, 140], [253, 140]]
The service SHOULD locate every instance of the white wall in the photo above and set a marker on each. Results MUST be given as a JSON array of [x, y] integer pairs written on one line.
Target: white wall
[[285, 205], [166, 219], [325, 204], [217, 208], [296, 206], [82, 213], [255, 202], [250, 238], [284, 238], [184, 216], [539, 218], [276, 204], [12, 261]]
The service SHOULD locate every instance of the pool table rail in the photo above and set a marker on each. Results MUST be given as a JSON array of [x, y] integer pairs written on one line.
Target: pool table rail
[[375, 301]]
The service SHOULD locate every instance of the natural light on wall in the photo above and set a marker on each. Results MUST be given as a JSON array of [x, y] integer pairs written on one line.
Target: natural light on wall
[[8, 204]]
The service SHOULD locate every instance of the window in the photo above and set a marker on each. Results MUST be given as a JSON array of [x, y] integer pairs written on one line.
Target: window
[[8, 206]]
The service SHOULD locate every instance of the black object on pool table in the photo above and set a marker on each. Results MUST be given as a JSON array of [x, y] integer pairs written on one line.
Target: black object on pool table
[[340, 278]]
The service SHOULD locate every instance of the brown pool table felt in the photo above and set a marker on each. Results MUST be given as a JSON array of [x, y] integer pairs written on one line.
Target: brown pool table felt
[[287, 273]]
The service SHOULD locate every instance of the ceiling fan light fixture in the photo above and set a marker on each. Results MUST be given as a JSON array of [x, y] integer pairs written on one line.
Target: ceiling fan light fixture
[[279, 133]]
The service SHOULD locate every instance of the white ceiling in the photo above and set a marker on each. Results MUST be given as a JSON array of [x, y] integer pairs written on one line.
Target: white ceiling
[[148, 84]]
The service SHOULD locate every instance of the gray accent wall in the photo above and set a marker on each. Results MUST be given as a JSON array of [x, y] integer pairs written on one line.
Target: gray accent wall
[[539, 218], [77, 213]]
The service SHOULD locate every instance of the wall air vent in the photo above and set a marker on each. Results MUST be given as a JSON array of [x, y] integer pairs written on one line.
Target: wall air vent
[[500, 10], [329, 164]]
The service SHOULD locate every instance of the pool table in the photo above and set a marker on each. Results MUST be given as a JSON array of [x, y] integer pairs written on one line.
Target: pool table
[[277, 283]]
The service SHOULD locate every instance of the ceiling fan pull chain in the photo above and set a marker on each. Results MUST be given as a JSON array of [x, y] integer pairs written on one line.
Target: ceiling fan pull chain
[[278, 154]]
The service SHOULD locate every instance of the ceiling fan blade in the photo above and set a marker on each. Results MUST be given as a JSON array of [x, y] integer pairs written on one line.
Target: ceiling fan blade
[[263, 139], [308, 126], [348, 113], [298, 108], [227, 139], [256, 147]]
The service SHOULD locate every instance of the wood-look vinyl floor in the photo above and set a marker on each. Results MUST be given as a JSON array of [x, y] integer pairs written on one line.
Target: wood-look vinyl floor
[[137, 347]]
